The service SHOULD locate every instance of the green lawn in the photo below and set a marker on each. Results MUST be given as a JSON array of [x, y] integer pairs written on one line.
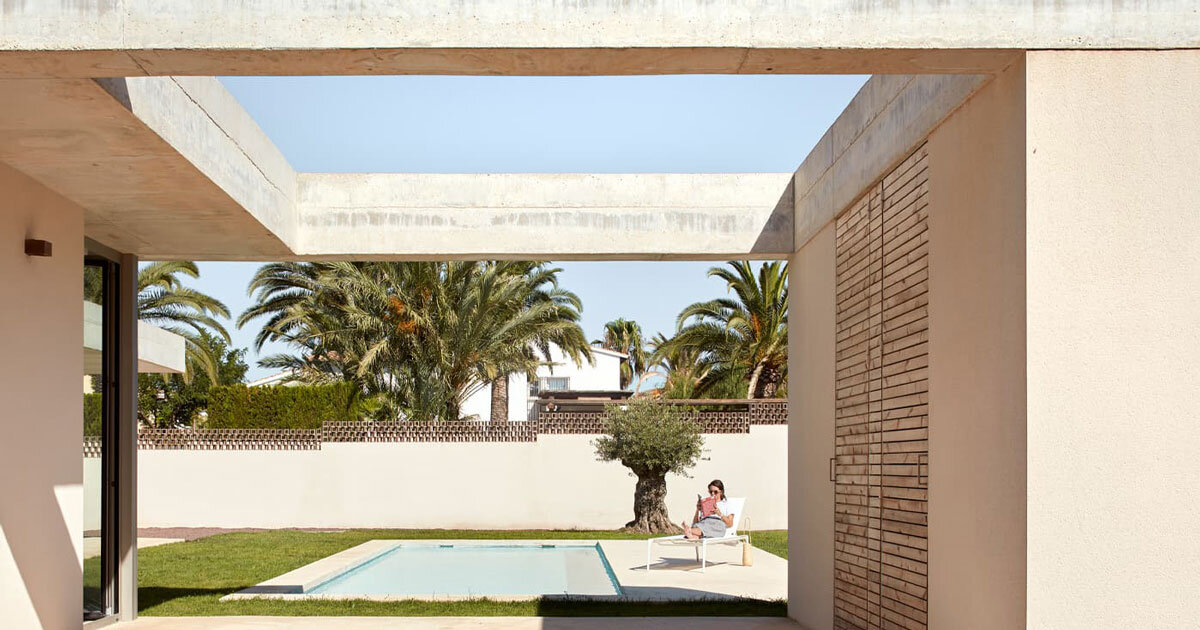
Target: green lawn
[[189, 578]]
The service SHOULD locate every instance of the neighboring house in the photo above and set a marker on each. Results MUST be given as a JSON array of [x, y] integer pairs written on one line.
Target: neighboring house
[[283, 378], [559, 375]]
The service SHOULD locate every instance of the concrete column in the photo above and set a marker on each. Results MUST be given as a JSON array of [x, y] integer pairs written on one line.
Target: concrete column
[[126, 446]]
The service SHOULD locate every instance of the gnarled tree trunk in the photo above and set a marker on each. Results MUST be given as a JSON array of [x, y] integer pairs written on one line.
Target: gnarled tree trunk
[[650, 507], [499, 410]]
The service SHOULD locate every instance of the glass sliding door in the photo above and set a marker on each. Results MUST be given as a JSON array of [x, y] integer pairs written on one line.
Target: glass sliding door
[[99, 461]]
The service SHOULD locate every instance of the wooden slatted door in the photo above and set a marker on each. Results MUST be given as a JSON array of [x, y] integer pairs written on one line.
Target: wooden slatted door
[[857, 438], [881, 413]]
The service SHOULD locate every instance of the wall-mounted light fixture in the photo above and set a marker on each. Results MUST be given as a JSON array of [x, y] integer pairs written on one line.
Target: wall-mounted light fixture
[[35, 247]]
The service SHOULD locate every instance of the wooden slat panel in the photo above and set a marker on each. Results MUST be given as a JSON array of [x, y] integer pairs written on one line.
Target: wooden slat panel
[[881, 404], [905, 431], [858, 415]]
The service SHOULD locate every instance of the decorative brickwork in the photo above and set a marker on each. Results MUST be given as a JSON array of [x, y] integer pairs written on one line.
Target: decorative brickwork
[[570, 422], [881, 422], [769, 412], [727, 417], [461, 431], [230, 439], [592, 422]]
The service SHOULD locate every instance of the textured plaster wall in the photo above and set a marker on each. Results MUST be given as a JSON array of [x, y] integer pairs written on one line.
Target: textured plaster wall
[[555, 482], [977, 361], [1113, 290], [810, 440], [41, 500]]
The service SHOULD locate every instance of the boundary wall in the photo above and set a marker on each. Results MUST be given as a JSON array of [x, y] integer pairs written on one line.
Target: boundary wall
[[471, 475]]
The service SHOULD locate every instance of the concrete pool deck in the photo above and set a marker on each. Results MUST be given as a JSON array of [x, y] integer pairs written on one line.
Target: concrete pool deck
[[674, 573]]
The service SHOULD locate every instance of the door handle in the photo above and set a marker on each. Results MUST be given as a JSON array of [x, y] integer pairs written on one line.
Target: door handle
[[832, 469]]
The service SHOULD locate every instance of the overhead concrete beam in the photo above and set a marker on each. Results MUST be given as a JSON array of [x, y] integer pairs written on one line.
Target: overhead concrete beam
[[279, 37], [164, 167], [888, 118], [174, 168], [546, 216]]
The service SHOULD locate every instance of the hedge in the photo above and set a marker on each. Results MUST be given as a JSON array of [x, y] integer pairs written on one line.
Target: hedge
[[93, 412], [279, 407]]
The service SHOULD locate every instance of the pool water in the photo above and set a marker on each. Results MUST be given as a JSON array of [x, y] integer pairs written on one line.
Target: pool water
[[478, 570]]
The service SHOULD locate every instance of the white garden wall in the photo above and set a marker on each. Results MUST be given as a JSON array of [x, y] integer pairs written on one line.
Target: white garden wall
[[554, 482]]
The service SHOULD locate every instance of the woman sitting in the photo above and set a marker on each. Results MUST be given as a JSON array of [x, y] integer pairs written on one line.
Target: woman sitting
[[711, 518]]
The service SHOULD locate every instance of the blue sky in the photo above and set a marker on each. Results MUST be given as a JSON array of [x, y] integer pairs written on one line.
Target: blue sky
[[643, 124]]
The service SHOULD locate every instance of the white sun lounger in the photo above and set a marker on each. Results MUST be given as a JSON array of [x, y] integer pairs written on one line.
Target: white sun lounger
[[736, 507]]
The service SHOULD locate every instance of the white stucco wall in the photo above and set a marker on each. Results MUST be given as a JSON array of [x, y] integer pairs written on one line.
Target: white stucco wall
[[1113, 306], [977, 359], [41, 409], [555, 482], [605, 374], [811, 356]]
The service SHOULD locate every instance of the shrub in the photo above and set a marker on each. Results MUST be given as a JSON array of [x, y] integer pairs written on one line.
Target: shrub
[[300, 407], [93, 414]]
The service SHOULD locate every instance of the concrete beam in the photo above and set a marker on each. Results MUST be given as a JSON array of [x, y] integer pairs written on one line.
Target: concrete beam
[[880, 127], [164, 167], [174, 168], [545, 216], [273, 37]]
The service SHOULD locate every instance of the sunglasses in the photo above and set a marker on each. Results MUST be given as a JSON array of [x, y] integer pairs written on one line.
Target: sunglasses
[[711, 492]]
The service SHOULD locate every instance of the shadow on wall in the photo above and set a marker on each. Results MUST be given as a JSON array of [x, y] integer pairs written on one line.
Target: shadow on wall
[[41, 545], [778, 233]]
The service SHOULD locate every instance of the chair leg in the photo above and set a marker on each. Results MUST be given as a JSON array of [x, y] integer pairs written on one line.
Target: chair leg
[[649, 545], [697, 549], [703, 558]]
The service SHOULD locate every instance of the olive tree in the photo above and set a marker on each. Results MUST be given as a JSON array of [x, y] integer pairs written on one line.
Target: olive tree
[[651, 439]]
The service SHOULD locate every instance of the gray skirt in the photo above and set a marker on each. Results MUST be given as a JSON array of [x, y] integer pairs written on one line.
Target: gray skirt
[[711, 526]]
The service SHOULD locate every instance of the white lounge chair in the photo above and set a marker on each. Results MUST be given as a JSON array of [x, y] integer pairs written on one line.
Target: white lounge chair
[[737, 507]]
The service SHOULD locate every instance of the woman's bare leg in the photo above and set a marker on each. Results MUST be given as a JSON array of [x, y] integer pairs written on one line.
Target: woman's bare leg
[[690, 533]]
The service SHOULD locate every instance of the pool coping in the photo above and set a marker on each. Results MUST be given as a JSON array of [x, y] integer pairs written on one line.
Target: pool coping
[[295, 584]]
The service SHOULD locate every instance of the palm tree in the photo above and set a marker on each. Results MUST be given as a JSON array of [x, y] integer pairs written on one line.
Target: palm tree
[[742, 339], [537, 315], [419, 337], [164, 301], [625, 336], [683, 368]]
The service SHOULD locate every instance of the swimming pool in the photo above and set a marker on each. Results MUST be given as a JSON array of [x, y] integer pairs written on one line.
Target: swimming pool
[[475, 570]]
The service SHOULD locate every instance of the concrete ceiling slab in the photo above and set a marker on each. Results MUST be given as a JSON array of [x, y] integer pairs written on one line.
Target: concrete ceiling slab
[[140, 193]]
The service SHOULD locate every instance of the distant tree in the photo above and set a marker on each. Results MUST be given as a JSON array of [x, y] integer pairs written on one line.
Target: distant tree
[[743, 339], [418, 338], [682, 368], [651, 439], [171, 400], [625, 336]]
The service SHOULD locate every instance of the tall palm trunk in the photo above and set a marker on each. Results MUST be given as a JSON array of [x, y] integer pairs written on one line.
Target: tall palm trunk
[[500, 399], [754, 376], [768, 382]]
